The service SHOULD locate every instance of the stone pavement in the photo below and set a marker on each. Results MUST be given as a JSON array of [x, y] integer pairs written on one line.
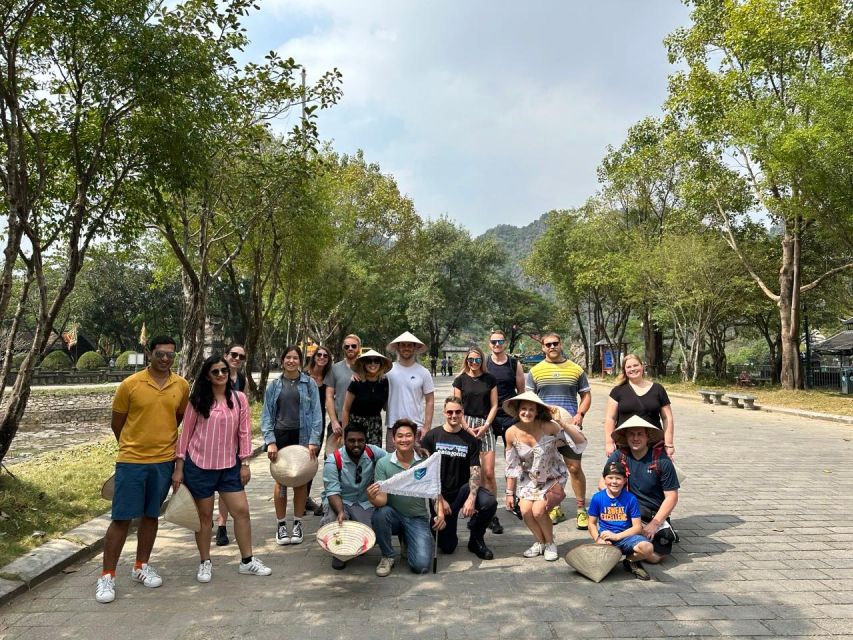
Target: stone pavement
[[766, 551]]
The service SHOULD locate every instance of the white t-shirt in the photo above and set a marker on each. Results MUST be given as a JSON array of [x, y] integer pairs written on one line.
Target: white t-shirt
[[407, 388]]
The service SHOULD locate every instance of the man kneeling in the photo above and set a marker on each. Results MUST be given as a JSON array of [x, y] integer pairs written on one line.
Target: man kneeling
[[397, 515], [614, 518]]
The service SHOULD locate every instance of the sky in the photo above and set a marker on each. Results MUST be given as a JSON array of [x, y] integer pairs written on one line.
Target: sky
[[487, 112]]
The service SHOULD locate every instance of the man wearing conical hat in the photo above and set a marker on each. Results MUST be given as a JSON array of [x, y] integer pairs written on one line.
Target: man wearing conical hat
[[411, 393]]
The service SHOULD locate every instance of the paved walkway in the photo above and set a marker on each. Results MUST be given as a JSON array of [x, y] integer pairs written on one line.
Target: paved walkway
[[766, 551]]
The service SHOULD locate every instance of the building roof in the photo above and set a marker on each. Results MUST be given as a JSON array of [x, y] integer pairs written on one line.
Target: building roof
[[841, 342]]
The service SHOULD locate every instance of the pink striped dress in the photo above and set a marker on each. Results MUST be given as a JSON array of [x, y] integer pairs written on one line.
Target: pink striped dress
[[217, 441]]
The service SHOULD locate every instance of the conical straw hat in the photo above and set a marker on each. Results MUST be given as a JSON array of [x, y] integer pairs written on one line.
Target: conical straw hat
[[594, 561], [182, 510], [420, 347], [293, 466], [655, 433], [510, 405], [347, 540], [359, 366], [108, 489]]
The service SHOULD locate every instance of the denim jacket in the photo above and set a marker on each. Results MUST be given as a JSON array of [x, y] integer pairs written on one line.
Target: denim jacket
[[310, 418]]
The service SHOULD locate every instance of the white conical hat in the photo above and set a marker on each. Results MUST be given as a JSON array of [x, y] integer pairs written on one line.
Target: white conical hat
[[359, 366], [108, 489], [346, 540], [635, 421], [182, 510], [420, 347], [293, 466], [594, 561]]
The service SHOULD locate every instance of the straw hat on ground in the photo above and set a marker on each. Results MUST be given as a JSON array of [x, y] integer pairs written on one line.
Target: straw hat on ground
[[108, 489], [594, 561], [359, 366], [347, 540], [634, 422], [293, 466], [510, 405], [420, 347], [182, 510]]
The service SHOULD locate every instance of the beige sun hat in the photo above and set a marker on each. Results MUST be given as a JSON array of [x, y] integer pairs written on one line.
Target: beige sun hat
[[510, 405], [347, 540], [634, 422], [420, 347], [359, 366], [594, 561], [108, 489], [182, 510], [293, 466]]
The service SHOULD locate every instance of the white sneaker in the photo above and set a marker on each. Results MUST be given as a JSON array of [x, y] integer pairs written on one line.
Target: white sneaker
[[205, 571], [281, 535], [296, 535], [105, 590], [550, 552], [147, 576], [384, 567], [536, 549], [254, 568]]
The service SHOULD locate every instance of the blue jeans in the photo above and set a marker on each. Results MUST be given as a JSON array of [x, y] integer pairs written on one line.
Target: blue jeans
[[387, 522]]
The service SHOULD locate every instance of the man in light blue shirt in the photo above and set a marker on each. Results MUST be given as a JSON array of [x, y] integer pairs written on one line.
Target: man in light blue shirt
[[347, 473]]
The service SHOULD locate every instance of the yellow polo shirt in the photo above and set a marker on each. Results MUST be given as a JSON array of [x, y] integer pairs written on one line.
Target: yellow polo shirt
[[151, 429]]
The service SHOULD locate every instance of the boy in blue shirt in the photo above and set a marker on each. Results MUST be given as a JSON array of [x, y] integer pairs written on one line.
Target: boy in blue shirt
[[614, 518]]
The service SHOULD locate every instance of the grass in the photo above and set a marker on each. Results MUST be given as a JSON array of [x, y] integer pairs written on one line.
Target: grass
[[56, 491], [821, 400]]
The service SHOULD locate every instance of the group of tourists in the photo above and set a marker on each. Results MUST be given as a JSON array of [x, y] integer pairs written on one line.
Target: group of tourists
[[539, 416]]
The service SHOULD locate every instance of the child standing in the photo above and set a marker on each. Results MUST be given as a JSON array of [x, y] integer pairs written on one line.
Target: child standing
[[614, 518]]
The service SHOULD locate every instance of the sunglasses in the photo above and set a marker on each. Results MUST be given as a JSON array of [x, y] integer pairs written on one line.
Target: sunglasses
[[475, 360], [552, 344], [350, 347], [237, 356], [168, 355], [497, 342], [219, 372], [372, 361], [358, 475], [453, 412], [321, 355]]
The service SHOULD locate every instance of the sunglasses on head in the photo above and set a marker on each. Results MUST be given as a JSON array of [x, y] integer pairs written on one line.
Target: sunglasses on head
[[237, 356], [497, 342], [350, 347], [219, 372], [552, 344]]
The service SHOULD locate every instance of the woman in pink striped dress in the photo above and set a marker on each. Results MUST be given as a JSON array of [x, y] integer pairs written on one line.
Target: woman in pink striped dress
[[213, 454]]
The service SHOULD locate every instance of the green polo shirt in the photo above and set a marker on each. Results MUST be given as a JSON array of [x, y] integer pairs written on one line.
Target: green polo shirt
[[404, 505]]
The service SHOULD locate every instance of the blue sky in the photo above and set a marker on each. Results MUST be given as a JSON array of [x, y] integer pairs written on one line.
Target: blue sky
[[488, 112]]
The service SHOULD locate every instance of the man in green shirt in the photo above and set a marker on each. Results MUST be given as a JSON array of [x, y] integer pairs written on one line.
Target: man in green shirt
[[402, 515]]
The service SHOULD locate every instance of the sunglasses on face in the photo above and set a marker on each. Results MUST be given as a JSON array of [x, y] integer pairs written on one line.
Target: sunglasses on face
[[219, 372], [552, 344], [237, 356], [453, 412], [372, 361], [321, 355], [497, 342], [475, 360], [168, 355], [350, 347]]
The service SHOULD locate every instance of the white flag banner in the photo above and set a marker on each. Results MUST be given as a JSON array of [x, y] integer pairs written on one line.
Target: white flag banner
[[420, 481]]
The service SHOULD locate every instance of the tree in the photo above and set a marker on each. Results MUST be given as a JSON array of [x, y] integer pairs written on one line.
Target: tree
[[767, 88], [517, 311]]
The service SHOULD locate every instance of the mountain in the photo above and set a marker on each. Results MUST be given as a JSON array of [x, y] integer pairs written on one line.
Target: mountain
[[517, 242]]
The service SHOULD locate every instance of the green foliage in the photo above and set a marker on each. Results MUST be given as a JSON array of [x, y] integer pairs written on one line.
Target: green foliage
[[124, 356], [17, 359], [56, 361], [91, 361]]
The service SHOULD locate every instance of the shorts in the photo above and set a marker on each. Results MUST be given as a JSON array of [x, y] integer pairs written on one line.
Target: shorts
[[567, 452], [285, 438], [487, 440], [626, 545], [202, 483], [140, 489], [501, 423]]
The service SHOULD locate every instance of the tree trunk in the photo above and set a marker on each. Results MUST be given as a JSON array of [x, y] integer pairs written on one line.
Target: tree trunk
[[195, 310], [653, 341], [789, 311]]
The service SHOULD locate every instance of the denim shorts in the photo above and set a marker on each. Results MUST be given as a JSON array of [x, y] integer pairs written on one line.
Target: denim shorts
[[203, 482], [626, 545], [140, 489]]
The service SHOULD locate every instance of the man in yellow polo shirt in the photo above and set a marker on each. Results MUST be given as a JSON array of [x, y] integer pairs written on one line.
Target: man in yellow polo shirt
[[147, 409]]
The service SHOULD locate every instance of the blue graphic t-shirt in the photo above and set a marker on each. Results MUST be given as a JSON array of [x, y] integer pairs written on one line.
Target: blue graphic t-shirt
[[614, 514], [459, 452]]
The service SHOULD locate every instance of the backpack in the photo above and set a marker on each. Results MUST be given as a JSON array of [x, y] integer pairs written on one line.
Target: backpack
[[339, 461], [657, 450]]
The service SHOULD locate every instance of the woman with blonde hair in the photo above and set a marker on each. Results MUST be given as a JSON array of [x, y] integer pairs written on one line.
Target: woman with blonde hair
[[635, 395]]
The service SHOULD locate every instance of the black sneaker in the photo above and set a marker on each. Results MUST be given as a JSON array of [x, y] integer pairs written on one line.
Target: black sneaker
[[479, 549], [338, 565], [637, 569], [221, 536], [496, 526], [312, 506]]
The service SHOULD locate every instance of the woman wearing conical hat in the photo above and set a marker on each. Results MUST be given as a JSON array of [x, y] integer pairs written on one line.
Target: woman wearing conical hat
[[367, 396]]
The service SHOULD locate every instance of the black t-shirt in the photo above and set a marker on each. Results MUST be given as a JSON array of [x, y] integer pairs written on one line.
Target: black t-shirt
[[476, 393], [647, 406], [370, 397], [460, 451]]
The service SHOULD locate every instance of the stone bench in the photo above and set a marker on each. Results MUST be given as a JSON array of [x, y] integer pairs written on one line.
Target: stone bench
[[709, 396], [737, 398]]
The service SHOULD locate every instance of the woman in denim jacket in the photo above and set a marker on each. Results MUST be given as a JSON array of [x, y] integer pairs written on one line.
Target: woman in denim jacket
[[291, 416]]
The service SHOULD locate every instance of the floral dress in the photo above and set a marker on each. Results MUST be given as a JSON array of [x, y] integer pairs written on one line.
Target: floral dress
[[540, 467]]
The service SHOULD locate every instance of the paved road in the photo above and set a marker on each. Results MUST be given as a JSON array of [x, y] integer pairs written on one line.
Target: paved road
[[767, 551]]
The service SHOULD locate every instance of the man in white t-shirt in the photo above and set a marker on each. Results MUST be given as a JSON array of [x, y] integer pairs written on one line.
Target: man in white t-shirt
[[411, 392]]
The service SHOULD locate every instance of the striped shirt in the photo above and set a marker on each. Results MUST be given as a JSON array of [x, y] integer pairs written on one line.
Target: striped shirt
[[558, 383], [213, 443]]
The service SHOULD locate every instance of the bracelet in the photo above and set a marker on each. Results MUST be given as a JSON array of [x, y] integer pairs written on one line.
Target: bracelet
[[244, 464], [510, 493], [669, 446]]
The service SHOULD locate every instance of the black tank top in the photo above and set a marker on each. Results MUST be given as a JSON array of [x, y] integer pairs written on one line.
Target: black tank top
[[505, 376]]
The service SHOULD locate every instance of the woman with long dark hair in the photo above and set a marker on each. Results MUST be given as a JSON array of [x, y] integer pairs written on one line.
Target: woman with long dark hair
[[318, 366], [291, 416], [213, 454]]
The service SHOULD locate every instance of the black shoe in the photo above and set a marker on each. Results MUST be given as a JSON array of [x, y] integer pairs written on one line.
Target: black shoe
[[338, 565], [312, 506], [470, 524], [479, 549], [496, 526], [221, 537], [319, 510], [637, 569]]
